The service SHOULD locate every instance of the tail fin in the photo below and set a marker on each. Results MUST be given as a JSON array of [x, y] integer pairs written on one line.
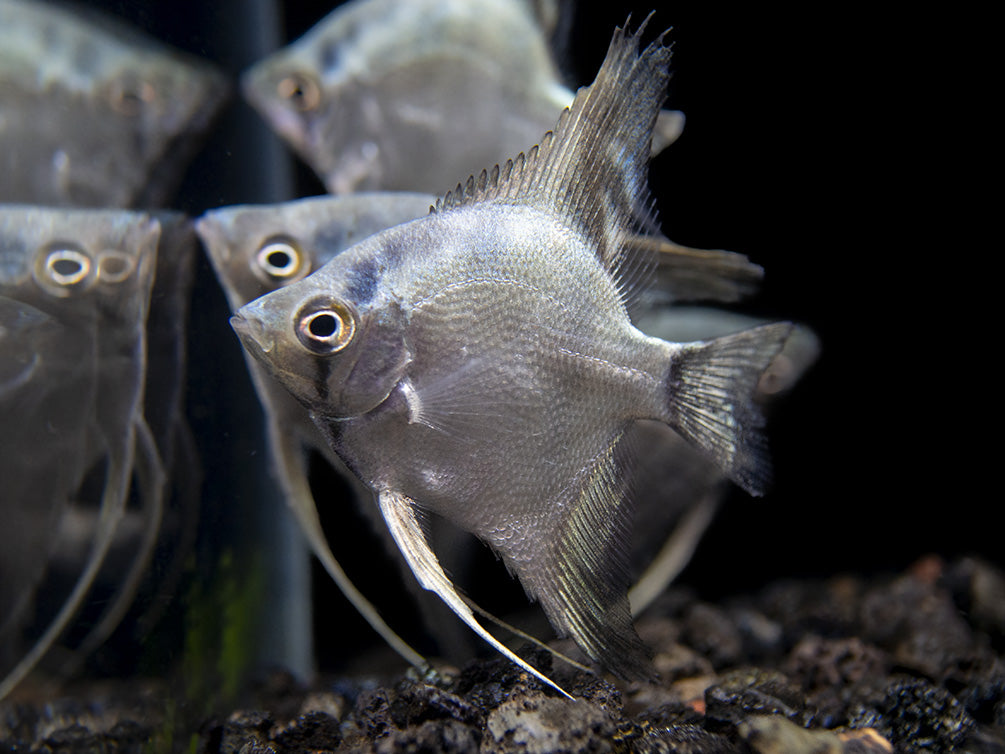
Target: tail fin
[[710, 389]]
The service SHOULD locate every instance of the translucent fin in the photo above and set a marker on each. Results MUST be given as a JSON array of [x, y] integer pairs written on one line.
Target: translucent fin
[[112, 508], [686, 274], [710, 391], [521, 634], [675, 554], [183, 495], [591, 170], [577, 567], [399, 514], [151, 478], [289, 459]]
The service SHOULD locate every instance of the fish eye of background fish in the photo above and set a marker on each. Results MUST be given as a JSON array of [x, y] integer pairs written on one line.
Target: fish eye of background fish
[[301, 90], [62, 268], [129, 95], [115, 266], [325, 326], [280, 260]]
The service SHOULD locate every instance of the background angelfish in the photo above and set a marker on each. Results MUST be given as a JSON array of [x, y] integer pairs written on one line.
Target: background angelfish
[[480, 363], [411, 96], [92, 113], [73, 432]]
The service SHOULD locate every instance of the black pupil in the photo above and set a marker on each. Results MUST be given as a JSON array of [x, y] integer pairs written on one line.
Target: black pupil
[[279, 260], [323, 325], [66, 267]]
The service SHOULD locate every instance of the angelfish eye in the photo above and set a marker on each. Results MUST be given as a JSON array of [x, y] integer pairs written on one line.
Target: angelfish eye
[[300, 90], [129, 96], [325, 327], [115, 266], [279, 260], [67, 266], [63, 269]]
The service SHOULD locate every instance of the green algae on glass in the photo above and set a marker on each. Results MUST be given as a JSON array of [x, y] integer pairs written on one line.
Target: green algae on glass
[[222, 620]]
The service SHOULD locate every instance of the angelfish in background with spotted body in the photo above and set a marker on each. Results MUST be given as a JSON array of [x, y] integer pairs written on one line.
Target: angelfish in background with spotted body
[[411, 96], [93, 113], [480, 363]]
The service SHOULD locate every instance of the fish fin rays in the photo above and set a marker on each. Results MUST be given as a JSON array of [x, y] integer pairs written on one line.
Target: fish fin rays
[[687, 274], [288, 457], [710, 388], [401, 515], [460, 403], [578, 568], [591, 169]]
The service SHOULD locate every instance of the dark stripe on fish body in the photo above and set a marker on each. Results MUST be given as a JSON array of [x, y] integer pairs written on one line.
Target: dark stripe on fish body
[[673, 385], [324, 372], [362, 283], [330, 54], [391, 253]]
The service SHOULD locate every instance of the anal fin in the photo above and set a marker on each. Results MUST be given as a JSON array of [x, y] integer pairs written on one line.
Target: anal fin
[[578, 567], [399, 513]]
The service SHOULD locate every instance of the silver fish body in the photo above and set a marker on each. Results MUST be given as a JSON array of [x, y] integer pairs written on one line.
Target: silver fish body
[[481, 363], [93, 114], [90, 271], [411, 96], [50, 378]]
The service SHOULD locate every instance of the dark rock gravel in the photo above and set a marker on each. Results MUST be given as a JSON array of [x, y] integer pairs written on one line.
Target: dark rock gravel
[[908, 663]]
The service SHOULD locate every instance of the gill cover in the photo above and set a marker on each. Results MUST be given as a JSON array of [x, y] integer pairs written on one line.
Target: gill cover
[[338, 359]]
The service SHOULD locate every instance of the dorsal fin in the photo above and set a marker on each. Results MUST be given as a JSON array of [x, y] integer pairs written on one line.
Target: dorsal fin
[[591, 170]]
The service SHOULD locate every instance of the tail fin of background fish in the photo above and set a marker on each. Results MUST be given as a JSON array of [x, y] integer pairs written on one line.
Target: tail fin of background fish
[[592, 168], [710, 391]]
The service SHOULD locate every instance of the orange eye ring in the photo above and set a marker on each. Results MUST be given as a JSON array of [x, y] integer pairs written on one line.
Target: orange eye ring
[[130, 95], [301, 90]]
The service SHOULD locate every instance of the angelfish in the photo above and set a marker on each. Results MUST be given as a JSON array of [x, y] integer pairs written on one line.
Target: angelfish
[[79, 406], [480, 363], [411, 96], [94, 113]]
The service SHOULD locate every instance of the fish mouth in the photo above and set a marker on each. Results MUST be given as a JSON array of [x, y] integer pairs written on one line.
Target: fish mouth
[[252, 333]]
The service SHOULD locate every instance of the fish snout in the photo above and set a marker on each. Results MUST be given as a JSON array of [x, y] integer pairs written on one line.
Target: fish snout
[[252, 332]]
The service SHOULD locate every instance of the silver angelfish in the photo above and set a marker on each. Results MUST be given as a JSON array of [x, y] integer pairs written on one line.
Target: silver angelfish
[[255, 249], [78, 409], [411, 96], [95, 114], [481, 363]]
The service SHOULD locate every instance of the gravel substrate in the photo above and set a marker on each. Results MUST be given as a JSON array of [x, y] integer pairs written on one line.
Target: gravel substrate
[[906, 663]]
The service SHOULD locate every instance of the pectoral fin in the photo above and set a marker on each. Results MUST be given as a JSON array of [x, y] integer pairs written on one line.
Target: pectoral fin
[[399, 513]]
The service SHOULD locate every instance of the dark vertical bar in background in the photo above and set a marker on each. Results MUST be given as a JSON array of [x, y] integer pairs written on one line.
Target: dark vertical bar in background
[[243, 511]]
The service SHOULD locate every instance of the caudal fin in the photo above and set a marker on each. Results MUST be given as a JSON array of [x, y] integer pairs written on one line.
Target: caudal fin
[[710, 390]]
